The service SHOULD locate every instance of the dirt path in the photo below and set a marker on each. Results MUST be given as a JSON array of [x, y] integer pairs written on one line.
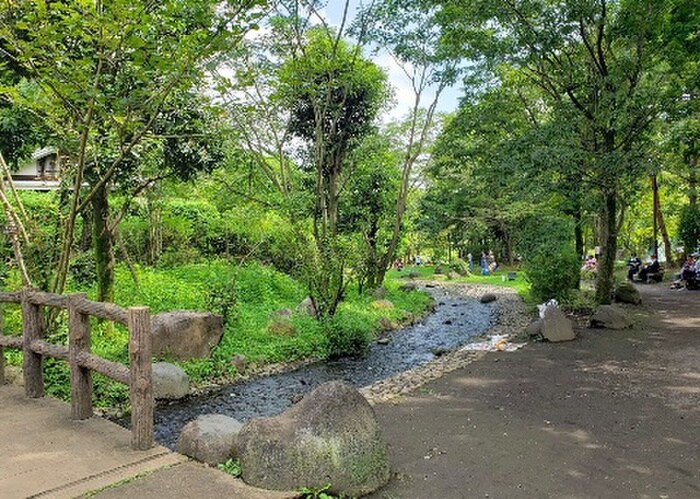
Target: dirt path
[[611, 414]]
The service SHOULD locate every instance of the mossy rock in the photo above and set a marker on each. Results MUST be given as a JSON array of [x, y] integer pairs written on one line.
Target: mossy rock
[[382, 305], [331, 436], [281, 327]]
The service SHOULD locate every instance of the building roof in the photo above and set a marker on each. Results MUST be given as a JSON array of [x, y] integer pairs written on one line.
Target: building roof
[[43, 152]]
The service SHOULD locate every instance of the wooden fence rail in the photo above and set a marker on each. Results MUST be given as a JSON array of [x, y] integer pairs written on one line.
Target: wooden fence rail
[[138, 376]]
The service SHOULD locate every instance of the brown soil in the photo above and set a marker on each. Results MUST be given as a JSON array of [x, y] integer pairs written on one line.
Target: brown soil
[[611, 414]]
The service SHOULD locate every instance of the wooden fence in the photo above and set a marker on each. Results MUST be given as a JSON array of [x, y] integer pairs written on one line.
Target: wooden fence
[[138, 376]]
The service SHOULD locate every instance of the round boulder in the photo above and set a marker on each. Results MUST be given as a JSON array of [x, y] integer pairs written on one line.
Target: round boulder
[[239, 362], [185, 335], [534, 329], [169, 381], [330, 436], [408, 287], [307, 306], [380, 293], [610, 317], [488, 298], [625, 292], [209, 438], [556, 326]]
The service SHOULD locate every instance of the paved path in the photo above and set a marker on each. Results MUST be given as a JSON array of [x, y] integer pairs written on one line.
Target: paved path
[[43, 453]]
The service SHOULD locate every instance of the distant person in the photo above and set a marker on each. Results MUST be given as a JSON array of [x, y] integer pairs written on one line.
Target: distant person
[[418, 260], [470, 261], [650, 268], [590, 265], [633, 266], [492, 264], [484, 263]]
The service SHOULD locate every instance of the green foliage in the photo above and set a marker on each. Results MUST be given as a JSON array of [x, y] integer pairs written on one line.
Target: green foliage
[[689, 228], [334, 94], [553, 275], [347, 334], [550, 259], [319, 493], [82, 270], [460, 266], [232, 467]]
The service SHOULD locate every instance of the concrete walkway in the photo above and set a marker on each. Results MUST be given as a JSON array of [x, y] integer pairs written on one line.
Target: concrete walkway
[[43, 453]]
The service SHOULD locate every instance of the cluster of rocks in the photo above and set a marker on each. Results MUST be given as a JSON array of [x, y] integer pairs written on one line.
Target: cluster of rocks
[[330, 436], [554, 326]]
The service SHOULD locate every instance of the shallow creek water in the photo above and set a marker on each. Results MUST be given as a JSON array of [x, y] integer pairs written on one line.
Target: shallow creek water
[[454, 322]]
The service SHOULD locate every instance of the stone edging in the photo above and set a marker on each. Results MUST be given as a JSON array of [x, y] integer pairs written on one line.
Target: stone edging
[[510, 319]]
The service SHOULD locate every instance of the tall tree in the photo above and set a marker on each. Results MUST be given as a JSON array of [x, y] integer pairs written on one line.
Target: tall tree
[[410, 33], [334, 95], [598, 62]]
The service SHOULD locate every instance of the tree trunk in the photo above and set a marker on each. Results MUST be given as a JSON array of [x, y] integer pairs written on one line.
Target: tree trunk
[[608, 240], [104, 246], [693, 181], [660, 221], [86, 233]]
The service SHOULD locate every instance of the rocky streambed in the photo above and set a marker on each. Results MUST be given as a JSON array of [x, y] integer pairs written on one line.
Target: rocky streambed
[[412, 356]]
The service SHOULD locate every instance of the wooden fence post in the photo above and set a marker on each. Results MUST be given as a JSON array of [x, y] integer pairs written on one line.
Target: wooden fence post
[[80, 377], [2, 353], [141, 378], [32, 329]]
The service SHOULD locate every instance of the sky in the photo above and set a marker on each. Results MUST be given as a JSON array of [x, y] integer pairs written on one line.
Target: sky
[[449, 100]]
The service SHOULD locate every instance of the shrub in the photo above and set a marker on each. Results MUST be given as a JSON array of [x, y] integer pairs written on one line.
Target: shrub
[[553, 275], [551, 264], [82, 269], [347, 334], [689, 228]]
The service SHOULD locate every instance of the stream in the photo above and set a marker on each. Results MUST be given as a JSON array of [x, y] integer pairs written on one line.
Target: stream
[[455, 321]]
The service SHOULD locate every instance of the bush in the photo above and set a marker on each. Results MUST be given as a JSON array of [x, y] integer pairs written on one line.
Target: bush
[[689, 228], [82, 270], [460, 266], [553, 275], [550, 261], [347, 334]]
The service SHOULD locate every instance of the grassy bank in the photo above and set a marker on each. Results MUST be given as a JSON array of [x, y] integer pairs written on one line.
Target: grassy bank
[[248, 298]]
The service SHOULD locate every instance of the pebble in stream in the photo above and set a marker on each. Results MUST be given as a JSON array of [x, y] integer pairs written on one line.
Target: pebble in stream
[[453, 323]]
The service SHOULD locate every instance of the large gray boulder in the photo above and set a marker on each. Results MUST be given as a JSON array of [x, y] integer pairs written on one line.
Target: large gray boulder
[[330, 436], [610, 317], [625, 292], [185, 335], [556, 326], [210, 438], [169, 381], [307, 307]]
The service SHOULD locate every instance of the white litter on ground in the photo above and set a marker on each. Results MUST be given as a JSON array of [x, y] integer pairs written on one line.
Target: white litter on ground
[[496, 343]]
